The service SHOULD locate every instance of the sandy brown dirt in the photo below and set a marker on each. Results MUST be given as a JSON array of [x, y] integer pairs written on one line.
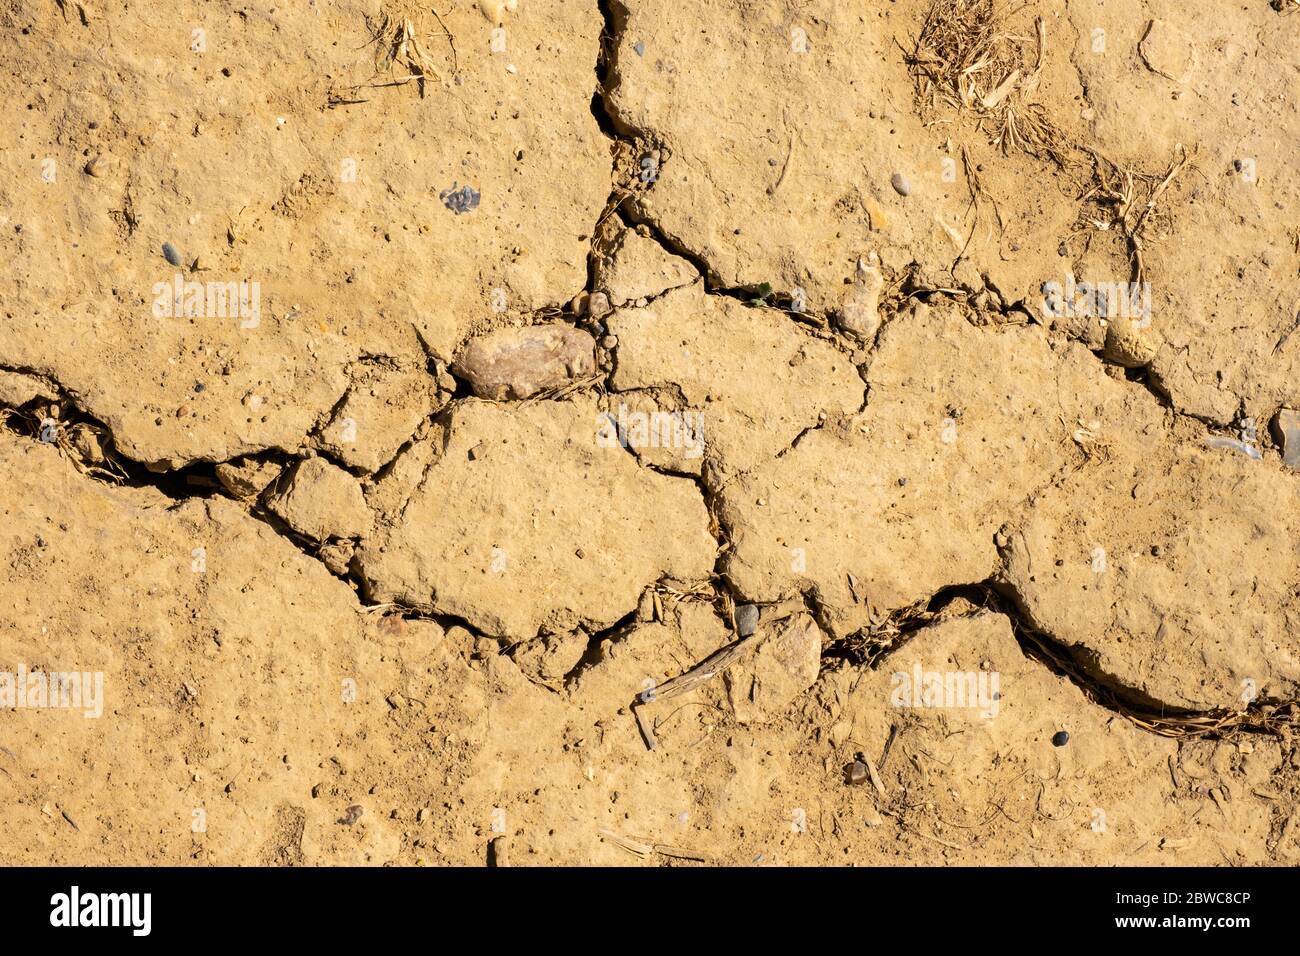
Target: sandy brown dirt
[[630, 432]]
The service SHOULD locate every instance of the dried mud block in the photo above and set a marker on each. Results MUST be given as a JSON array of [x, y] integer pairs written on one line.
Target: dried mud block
[[1170, 568], [887, 507], [635, 662], [321, 501], [387, 495], [1168, 51], [753, 379], [527, 519], [246, 477], [626, 665], [519, 363], [640, 268], [970, 675], [324, 240], [203, 622], [785, 665], [337, 555], [547, 659], [381, 412], [978, 718], [1216, 251], [658, 428], [701, 629], [1286, 428], [783, 173], [17, 389]]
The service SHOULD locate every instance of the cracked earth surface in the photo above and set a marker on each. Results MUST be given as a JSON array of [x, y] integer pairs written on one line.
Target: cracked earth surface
[[648, 501]]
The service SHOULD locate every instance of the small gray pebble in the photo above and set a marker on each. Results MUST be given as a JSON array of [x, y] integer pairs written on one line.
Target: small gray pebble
[[170, 254], [639, 47], [464, 199], [900, 184], [746, 619]]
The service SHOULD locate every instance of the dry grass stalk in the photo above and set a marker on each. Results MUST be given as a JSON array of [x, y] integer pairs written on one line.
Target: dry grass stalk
[[683, 591], [886, 633], [684, 683], [643, 848], [1125, 201], [707, 669], [571, 387]]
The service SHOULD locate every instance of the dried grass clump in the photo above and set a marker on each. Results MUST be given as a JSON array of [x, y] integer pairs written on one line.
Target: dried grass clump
[[95, 459], [967, 57], [401, 41]]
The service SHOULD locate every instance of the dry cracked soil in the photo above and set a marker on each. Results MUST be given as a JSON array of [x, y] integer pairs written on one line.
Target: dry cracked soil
[[629, 432]]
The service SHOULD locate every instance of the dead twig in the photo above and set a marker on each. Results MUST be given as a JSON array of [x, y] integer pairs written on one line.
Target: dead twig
[[701, 673], [643, 848]]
